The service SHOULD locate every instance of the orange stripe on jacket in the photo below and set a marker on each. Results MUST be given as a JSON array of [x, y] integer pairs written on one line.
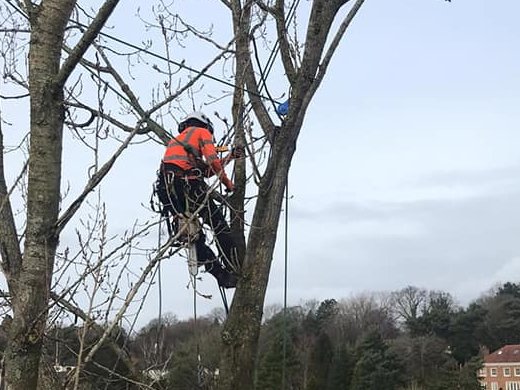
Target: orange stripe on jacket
[[201, 142]]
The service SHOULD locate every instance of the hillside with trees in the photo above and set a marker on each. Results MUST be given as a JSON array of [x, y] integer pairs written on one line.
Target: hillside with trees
[[408, 339]]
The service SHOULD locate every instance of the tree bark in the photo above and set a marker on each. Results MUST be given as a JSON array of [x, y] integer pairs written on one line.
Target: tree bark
[[10, 253], [29, 302], [29, 276], [241, 25], [241, 331], [242, 328]]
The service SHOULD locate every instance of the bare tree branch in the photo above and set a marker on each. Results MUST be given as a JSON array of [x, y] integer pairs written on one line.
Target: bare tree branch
[[191, 83], [76, 311], [92, 183], [285, 52], [96, 113], [14, 30], [144, 274], [226, 3], [10, 253], [264, 7], [102, 261], [259, 108], [16, 181], [14, 97], [138, 382], [86, 63], [29, 6], [320, 21], [86, 40], [333, 46], [241, 23], [134, 101]]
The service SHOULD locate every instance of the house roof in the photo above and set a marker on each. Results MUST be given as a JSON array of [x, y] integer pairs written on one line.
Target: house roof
[[506, 354]]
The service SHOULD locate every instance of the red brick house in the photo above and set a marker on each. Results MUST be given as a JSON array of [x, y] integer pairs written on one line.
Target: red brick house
[[501, 369]]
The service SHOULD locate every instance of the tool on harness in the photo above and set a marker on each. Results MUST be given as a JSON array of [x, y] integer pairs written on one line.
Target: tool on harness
[[193, 260], [177, 217], [189, 226], [236, 151], [222, 148], [180, 219]]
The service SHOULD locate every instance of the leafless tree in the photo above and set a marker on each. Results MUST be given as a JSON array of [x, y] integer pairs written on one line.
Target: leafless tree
[[29, 271], [37, 274], [305, 66], [410, 302], [88, 94]]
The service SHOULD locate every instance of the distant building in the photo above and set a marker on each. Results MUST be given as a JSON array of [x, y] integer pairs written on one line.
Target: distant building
[[501, 369]]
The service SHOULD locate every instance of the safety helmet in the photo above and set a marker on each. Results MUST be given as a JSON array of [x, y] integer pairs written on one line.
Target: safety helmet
[[200, 117]]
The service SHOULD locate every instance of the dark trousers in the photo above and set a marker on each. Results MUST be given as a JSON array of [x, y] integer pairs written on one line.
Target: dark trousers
[[192, 195]]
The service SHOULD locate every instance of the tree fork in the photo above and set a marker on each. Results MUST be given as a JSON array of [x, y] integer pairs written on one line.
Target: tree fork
[[241, 330]]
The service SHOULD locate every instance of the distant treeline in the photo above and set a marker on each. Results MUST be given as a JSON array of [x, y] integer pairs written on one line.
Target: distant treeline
[[408, 339]]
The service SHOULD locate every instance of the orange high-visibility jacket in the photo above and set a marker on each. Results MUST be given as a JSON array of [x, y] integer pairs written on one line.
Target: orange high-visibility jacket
[[202, 146]]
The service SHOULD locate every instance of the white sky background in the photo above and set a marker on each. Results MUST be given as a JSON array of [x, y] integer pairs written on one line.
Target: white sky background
[[407, 167], [419, 184]]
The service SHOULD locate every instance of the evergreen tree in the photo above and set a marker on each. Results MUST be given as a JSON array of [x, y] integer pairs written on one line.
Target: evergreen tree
[[455, 376], [502, 320], [377, 367], [326, 311], [468, 379], [341, 368], [446, 377], [508, 288], [465, 328], [269, 376], [321, 354], [183, 374], [437, 318], [321, 358], [271, 362]]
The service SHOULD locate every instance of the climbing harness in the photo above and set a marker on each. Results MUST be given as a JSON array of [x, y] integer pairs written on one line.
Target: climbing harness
[[182, 223]]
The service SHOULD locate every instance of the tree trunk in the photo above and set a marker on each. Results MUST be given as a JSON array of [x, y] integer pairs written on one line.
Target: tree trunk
[[30, 300], [238, 112], [242, 329]]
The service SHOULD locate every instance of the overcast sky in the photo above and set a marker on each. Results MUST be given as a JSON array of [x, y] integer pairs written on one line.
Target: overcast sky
[[418, 129], [407, 169]]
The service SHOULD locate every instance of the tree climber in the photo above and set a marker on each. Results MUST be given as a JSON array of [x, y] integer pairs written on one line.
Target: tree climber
[[189, 158]]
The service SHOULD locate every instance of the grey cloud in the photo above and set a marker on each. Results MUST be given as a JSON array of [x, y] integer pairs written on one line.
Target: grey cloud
[[469, 178], [490, 180], [353, 210], [463, 245]]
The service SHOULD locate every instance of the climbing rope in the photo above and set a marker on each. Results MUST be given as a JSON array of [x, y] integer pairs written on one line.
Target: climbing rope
[[286, 257], [224, 299], [159, 285], [196, 331]]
